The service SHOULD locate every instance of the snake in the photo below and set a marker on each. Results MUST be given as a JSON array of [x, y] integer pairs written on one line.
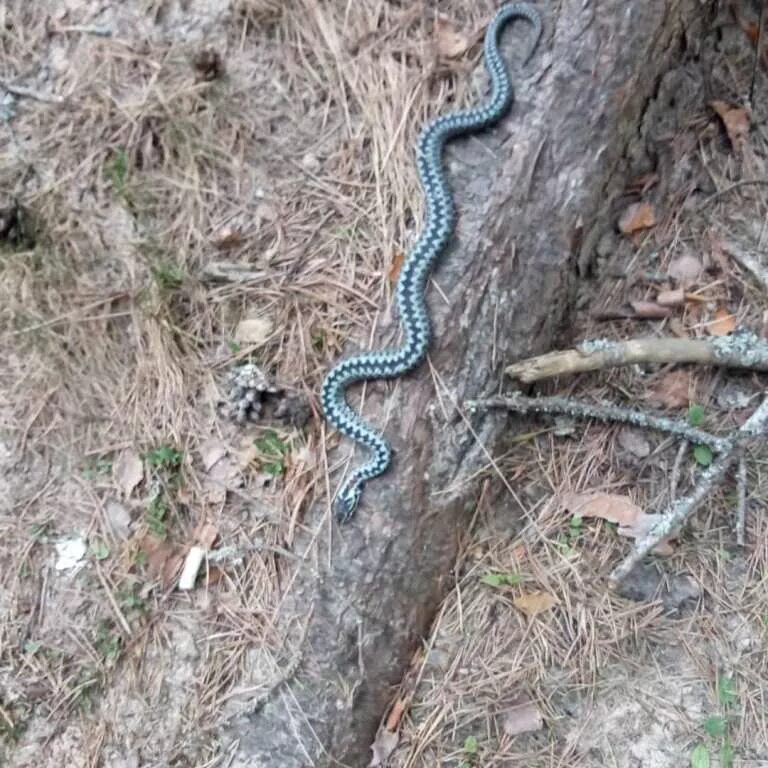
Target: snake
[[438, 225]]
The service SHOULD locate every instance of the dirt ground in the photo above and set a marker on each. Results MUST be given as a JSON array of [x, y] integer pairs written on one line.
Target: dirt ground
[[188, 186]]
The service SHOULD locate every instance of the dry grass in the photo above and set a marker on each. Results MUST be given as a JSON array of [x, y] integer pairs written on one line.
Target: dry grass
[[297, 164]]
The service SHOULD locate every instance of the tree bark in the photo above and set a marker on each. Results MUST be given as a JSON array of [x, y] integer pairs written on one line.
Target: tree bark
[[532, 194]]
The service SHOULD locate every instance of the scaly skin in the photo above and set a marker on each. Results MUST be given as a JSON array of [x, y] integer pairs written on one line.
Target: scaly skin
[[439, 222]]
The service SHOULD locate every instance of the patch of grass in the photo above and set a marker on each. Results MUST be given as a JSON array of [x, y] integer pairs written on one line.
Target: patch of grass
[[165, 458], [274, 450], [169, 277], [470, 752], [108, 641], [499, 578], [116, 171], [156, 515]]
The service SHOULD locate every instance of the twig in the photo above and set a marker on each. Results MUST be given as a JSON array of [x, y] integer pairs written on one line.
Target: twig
[[675, 481], [741, 506], [749, 261], [119, 615], [756, 60], [29, 93], [741, 350], [603, 412], [682, 508]]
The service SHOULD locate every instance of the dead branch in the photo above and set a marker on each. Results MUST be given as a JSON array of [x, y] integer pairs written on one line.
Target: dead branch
[[742, 350], [602, 412], [682, 508]]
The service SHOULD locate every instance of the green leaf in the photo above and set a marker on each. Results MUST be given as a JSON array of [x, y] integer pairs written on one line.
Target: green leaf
[[233, 346], [576, 522], [31, 647], [497, 578], [696, 415], [715, 726], [165, 457], [703, 454], [470, 745], [270, 444], [726, 693], [99, 549], [700, 757], [727, 755]]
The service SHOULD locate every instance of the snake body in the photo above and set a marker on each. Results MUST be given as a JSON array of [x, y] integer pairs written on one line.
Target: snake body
[[439, 221]]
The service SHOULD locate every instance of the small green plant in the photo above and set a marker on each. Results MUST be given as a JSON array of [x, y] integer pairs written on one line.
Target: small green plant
[[165, 458], [98, 468], [499, 578], [39, 531], [716, 727], [470, 752], [99, 548], [703, 455], [273, 450], [696, 415], [700, 757], [233, 346], [169, 277], [156, 515], [131, 601], [31, 647], [108, 642], [116, 171]]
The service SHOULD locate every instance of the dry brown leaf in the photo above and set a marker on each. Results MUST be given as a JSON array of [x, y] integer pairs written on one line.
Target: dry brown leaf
[[522, 717], [164, 560], [228, 237], [534, 603], [608, 506], [206, 534], [128, 471], [397, 264], [383, 746], [736, 121], [674, 298], [450, 43], [673, 390], [686, 269], [396, 714], [637, 216], [723, 324], [212, 451], [253, 330], [649, 310], [633, 441]]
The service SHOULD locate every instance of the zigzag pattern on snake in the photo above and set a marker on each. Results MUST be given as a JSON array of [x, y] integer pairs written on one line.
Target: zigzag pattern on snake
[[439, 221]]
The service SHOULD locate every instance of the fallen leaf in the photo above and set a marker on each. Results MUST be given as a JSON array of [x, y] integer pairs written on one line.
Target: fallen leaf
[[398, 258], [128, 471], [723, 324], [637, 216], [164, 560], [673, 390], [206, 534], [254, 330], [633, 441], [736, 121], [212, 451], [608, 506], [649, 310], [673, 298], [533, 603], [522, 717], [228, 237], [118, 516], [396, 715], [686, 269], [383, 746], [450, 43]]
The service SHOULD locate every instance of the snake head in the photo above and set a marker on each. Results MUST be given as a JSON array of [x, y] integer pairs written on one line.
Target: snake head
[[347, 501]]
